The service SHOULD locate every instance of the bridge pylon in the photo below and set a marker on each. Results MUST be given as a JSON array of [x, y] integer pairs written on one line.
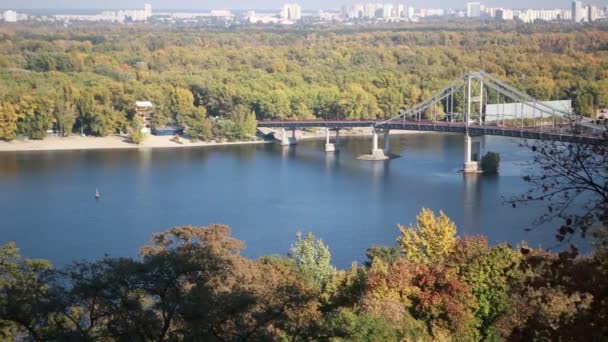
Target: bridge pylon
[[287, 141]]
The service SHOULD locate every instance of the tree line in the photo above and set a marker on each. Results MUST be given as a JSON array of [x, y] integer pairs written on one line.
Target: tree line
[[192, 284], [213, 84]]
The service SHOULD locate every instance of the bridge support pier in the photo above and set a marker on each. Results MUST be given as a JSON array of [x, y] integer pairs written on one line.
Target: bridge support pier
[[329, 147], [376, 153], [472, 153], [285, 140]]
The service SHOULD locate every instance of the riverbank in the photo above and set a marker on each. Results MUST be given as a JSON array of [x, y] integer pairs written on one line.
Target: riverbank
[[77, 142]]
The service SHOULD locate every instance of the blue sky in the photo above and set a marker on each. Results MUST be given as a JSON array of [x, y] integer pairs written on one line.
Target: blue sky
[[243, 4]]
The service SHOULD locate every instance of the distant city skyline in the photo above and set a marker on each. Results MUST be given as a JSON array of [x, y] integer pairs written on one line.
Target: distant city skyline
[[269, 4]]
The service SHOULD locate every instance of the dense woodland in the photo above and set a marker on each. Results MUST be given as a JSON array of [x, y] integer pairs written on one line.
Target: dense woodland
[[214, 83], [192, 284]]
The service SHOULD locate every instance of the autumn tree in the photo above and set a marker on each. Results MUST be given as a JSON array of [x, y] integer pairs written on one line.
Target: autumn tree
[[65, 108], [35, 117], [431, 240], [9, 116]]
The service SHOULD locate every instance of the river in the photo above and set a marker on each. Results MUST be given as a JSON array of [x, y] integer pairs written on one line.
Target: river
[[265, 193]]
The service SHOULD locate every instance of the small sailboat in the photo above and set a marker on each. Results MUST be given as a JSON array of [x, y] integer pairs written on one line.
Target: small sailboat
[[97, 195]]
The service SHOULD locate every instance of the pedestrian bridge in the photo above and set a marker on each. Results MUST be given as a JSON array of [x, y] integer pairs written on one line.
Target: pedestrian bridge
[[474, 105]]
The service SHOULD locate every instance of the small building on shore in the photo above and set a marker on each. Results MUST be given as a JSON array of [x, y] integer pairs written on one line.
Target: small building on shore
[[144, 110]]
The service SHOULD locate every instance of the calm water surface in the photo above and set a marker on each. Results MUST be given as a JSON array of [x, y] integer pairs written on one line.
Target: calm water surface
[[265, 193]]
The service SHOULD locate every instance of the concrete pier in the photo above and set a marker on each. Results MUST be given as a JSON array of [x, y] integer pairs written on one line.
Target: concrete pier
[[376, 153], [331, 147], [472, 154], [287, 141]]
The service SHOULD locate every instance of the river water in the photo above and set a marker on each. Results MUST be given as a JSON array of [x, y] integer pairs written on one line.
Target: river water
[[265, 193]]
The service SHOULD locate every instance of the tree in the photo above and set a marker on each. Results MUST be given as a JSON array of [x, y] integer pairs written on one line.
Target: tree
[[356, 103], [199, 126], [434, 113], [28, 300], [431, 240], [135, 134], [491, 273], [35, 117], [387, 254], [9, 116], [313, 258], [490, 162], [406, 293], [65, 117], [244, 118], [349, 325], [565, 174], [389, 101], [65, 108]]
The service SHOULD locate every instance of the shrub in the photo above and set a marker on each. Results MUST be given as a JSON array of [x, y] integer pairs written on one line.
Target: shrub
[[490, 162], [137, 137]]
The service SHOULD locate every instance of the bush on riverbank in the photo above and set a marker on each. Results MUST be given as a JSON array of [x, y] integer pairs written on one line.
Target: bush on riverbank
[[191, 283]]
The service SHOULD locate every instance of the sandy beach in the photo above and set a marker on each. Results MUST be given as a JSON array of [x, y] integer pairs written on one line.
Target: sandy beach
[[76, 142]]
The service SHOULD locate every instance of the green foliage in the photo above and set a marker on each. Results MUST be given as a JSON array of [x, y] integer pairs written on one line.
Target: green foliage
[[27, 299], [313, 258], [199, 126], [490, 162], [388, 255], [135, 134], [347, 74], [344, 289], [226, 129], [348, 325], [491, 273], [245, 121]]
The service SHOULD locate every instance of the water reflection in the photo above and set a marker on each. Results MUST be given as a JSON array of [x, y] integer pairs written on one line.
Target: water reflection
[[472, 199]]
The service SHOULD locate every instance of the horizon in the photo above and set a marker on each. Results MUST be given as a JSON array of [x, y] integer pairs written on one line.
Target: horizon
[[189, 5]]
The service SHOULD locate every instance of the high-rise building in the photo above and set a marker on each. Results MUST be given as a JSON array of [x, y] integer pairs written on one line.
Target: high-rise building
[[387, 11], [10, 16], [578, 10], [400, 11], [594, 13], [473, 9], [503, 14], [532, 15], [291, 12], [148, 10], [411, 11]]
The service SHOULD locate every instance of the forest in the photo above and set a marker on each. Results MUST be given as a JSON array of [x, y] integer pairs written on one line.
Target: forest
[[213, 83], [192, 284]]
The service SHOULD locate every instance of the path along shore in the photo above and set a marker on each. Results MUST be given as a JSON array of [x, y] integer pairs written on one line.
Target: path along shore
[[76, 142]]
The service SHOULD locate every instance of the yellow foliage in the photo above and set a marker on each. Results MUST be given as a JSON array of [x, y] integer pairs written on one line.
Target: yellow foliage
[[431, 240]]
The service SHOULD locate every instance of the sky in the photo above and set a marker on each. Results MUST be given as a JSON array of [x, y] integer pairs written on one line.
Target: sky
[[270, 4]]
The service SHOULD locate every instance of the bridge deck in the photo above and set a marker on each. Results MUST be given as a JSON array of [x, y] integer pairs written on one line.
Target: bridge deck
[[544, 133]]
